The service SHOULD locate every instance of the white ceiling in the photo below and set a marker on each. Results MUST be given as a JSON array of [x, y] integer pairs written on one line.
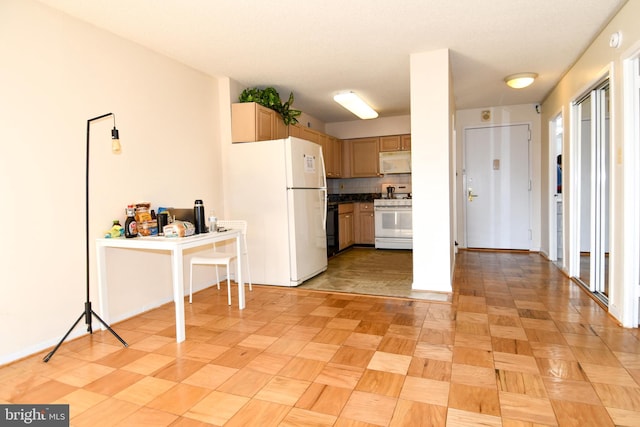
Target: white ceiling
[[317, 48]]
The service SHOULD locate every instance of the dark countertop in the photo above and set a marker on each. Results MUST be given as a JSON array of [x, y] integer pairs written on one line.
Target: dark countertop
[[350, 198]]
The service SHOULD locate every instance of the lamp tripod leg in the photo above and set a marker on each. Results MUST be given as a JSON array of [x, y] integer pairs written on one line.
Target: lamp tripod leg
[[48, 356], [106, 326], [87, 313]]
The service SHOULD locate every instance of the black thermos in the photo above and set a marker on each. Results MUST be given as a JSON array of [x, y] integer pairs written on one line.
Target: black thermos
[[198, 214]]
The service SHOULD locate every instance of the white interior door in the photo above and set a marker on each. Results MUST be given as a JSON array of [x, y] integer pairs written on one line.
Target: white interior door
[[497, 187]]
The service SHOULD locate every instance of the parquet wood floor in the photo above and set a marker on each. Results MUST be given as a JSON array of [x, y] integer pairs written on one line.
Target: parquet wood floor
[[517, 345]]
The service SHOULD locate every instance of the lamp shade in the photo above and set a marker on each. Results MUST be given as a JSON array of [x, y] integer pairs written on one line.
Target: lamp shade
[[356, 105], [520, 80], [116, 148]]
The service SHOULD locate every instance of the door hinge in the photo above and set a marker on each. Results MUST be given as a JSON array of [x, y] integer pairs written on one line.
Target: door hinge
[[530, 185]]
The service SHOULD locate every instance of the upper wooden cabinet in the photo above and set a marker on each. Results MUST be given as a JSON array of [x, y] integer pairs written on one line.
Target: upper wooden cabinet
[[405, 142], [363, 158], [395, 143], [331, 148], [311, 135], [251, 122]]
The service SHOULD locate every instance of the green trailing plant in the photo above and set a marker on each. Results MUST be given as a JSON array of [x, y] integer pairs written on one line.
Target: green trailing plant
[[270, 98]]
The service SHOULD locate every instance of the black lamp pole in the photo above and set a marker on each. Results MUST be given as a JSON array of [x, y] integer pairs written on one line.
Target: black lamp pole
[[88, 311]]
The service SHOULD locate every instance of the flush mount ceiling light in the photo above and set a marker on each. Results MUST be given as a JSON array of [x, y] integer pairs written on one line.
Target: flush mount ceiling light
[[520, 80], [356, 105]]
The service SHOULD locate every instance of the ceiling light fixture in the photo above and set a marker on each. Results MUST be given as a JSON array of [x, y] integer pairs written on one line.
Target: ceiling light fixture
[[356, 105], [520, 80]]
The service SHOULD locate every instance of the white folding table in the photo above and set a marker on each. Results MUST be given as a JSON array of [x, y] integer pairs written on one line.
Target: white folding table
[[176, 245]]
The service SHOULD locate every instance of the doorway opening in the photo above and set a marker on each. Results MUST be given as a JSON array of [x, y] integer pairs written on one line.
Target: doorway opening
[[556, 223]]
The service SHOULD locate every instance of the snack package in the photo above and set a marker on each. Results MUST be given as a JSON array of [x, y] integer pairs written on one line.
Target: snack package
[[148, 228], [179, 229]]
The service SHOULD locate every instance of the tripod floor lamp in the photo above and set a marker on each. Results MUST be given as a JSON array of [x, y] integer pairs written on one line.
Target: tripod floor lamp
[[88, 311]]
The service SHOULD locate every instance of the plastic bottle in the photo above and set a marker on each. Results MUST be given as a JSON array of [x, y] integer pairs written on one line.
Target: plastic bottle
[[213, 222], [130, 225]]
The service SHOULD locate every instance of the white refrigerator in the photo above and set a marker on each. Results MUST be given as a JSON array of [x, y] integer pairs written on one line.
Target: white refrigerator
[[279, 187]]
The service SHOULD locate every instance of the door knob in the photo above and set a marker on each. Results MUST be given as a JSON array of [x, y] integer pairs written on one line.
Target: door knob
[[470, 195]]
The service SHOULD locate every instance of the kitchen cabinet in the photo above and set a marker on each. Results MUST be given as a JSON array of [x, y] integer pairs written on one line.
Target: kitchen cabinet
[[346, 158], [311, 135], [395, 143], [405, 142], [295, 130], [346, 236], [252, 122], [331, 148], [363, 157], [364, 227], [333, 157]]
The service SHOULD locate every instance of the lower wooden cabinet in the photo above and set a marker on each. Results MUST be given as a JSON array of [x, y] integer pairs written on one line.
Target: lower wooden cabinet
[[346, 236], [356, 224], [364, 229]]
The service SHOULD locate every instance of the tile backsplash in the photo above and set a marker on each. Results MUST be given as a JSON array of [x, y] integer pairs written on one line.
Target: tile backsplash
[[365, 185]]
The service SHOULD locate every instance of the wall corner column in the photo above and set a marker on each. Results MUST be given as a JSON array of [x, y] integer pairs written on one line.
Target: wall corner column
[[432, 176]]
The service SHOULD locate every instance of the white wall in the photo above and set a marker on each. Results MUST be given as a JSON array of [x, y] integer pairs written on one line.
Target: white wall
[[381, 126], [579, 78], [56, 73], [431, 150], [511, 114]]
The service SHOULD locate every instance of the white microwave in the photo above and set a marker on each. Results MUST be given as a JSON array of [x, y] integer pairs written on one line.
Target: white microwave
[[395, 162]]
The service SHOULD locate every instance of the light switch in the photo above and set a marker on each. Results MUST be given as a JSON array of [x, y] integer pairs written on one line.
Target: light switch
[[496, 164]]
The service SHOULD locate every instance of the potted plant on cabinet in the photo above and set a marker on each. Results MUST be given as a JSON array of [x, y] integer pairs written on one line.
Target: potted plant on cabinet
[[270, 98]]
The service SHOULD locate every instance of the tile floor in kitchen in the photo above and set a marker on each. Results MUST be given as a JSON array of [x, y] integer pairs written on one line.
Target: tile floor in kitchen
[[370, 271], [518, 344]]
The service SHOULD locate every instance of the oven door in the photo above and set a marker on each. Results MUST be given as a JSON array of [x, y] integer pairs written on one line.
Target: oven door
[[393, 222]]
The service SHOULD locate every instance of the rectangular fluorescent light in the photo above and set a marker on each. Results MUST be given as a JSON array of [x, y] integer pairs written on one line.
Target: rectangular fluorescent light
[[356, 105]]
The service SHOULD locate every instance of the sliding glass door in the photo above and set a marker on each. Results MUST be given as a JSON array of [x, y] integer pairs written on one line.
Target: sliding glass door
[[592, 214]]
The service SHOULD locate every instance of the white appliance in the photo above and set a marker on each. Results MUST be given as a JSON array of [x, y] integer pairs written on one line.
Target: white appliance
[[393, 219], [395, 162], [280, 188]]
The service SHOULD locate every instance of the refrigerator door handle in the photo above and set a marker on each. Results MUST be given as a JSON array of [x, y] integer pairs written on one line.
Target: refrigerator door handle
[[326, 197], [324, 186], [324, 171]]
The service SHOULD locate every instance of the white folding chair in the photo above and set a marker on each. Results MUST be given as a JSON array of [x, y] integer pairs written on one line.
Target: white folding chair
[[224, 258]]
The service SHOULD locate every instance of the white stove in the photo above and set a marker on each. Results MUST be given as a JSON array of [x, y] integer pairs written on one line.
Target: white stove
[[393, 221]]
